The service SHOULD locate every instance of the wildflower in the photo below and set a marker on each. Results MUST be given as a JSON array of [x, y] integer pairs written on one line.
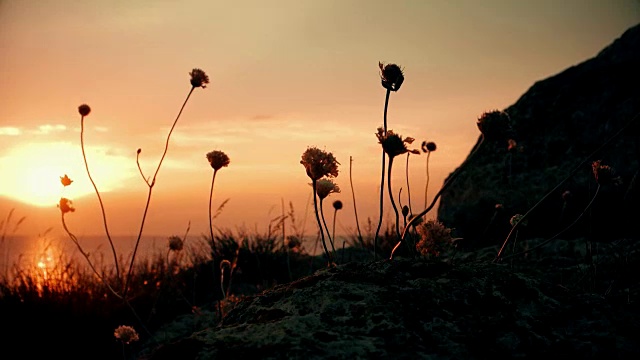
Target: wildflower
[[324, 187], [66, 206], [199, 78], [84, 109], [513, 145], [517, 218], [217, 159], [405, 211], [65, 180], [126, 334], [494, 125], [604, 174], [391, 76], [337, 204], [319, 163], [393, 144], [175, 243], [435, 238], [428, 146]]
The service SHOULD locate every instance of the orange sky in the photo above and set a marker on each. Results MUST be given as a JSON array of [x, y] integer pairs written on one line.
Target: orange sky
[[284, 75]]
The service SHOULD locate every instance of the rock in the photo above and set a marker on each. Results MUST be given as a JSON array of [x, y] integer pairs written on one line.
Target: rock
[[561, 124]]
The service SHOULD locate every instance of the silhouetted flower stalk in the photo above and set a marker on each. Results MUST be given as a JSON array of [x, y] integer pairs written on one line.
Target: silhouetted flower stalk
[[217, 160], [406, 170], [355, 210], [198, 79], [393, 145], [325, 187], [337, 205], [391, 78], [319, 163], [84, 111], [427, 147]]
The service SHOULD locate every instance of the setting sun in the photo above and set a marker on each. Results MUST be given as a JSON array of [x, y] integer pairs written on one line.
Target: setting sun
[[34, 172]]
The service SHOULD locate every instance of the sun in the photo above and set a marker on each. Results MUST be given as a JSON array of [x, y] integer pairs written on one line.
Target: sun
[[31, 173]]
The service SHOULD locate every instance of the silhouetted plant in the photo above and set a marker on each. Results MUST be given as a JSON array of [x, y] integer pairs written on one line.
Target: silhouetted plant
[[337, 205], [217, 159], [355, 209], [428, 148], [391, 77], [318, 164]]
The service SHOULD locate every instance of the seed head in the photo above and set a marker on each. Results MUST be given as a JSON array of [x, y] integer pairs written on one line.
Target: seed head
[[517, 218], [391, 76], [428, 146], [175, 243], [66, 205], [199, 78], [65, 180], [393, 144], [217, 159], [337, 204], [325, 186], [84, 109], [319, 163], [495, 125], [126, 334], [405, 211]]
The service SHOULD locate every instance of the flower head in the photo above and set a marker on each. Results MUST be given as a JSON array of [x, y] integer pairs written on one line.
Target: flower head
[[405, 211], [66, 206], [65, 180], [393, 144], [428, 146], [319, 163], [126, 334], [435, 238], [391, 76], [604, 174], [337, 204], [517, 218], [84, 109], [175, 243], [494, 125], [217, 159], [199, 78], [325, 186]]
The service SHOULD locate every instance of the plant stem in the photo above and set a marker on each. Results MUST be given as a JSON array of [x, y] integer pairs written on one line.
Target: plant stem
[[408, 188], [355, 210], [393, 203], [315, 207], [326, 227], [213, 242], [426, 186], [153, 182], [375, 239], [104, 215]]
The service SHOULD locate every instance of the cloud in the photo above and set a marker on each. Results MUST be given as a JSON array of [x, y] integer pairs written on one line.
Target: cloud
[[10, 131], [48, 129]]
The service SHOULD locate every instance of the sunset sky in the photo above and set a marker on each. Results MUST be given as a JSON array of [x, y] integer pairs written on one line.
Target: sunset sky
[[285, 75]]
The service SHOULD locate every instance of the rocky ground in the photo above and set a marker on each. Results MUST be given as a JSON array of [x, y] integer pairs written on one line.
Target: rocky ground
[[549, 303]]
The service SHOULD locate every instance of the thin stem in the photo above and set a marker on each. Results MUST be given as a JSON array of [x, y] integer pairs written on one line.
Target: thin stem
[[355, 210], [333, 249], [393, 203], [104, 215], [153, 182], [560, 232], [213, 243], [335, 212], [146, 180], [426, 186], [375, 239], [408, 188], [449, 181], [315, 207]]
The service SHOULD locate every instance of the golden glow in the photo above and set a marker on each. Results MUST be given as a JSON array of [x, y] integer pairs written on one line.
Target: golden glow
[[33, 172]]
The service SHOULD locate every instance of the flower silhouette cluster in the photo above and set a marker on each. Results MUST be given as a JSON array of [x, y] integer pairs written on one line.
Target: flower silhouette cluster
[[218, 159], [126, 334], [199, 78], [66, 206], [175, 243], [495, 125], [391, 76], [393, 144], [325, 186], [84, 110], [435, 238], [319, 163]]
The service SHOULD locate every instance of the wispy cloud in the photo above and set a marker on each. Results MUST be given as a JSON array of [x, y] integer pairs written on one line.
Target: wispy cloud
[[47, 129], [10, 131]]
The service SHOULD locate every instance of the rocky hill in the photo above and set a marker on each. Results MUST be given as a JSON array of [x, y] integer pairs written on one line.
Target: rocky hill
[[587, 112]]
